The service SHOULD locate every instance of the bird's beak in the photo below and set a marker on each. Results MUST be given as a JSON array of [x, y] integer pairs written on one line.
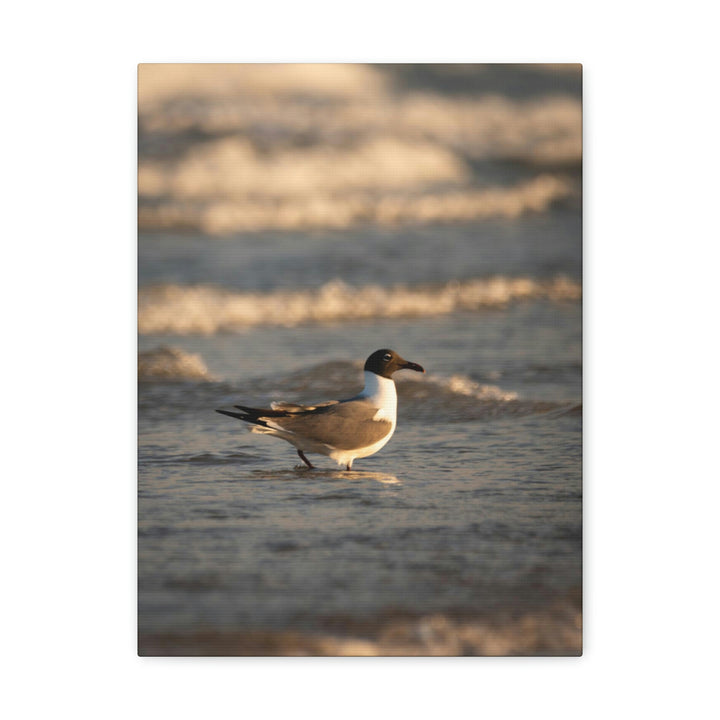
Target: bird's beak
[[412, 366]]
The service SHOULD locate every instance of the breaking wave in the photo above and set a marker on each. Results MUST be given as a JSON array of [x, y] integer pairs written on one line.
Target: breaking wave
[[290, 105], [168, 363], [202, 309], [459, 398], [233, 148], [221, 213]]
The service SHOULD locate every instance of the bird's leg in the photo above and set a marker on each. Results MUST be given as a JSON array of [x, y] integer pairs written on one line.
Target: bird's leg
[[349, 466], [305, 460]]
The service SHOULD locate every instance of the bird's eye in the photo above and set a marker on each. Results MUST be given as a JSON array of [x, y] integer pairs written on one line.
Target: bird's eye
[[387, 357]]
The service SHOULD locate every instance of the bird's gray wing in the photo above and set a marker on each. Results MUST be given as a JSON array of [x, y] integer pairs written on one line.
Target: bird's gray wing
[[346, 425]]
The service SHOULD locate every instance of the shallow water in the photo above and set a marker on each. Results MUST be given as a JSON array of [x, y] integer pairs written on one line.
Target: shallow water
[[476, 517], [472, 510]]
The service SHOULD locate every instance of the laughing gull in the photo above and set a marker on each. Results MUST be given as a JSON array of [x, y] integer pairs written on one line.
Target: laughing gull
[[341, 429]]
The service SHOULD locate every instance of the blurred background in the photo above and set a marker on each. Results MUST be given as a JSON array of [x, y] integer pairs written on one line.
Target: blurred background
[[335, 171], [233, 148], [292, 220]]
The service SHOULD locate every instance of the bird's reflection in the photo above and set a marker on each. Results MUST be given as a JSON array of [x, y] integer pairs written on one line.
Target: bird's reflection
[[302, 473]]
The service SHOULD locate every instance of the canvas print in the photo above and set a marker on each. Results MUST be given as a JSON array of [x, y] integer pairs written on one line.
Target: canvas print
[[359, 360]]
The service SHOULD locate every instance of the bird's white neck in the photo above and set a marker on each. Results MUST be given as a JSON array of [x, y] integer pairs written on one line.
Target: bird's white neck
[[381, 392]]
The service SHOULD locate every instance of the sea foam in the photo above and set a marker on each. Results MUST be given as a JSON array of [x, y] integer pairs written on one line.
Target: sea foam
[[202, 309]]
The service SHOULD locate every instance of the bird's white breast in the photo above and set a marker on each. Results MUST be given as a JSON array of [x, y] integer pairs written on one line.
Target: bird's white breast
[[381, 392]]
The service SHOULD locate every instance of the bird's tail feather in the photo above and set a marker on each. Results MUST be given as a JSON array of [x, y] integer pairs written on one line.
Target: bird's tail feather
[[256, 416], [232, 414]]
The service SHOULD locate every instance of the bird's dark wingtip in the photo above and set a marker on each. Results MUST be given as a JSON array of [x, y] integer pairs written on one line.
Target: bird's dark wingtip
[[231, 414]]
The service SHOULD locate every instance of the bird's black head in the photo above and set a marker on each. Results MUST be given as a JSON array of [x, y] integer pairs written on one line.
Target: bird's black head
[[385, 362]]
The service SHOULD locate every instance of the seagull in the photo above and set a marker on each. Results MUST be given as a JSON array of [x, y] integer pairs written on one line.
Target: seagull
[[341, 429]]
